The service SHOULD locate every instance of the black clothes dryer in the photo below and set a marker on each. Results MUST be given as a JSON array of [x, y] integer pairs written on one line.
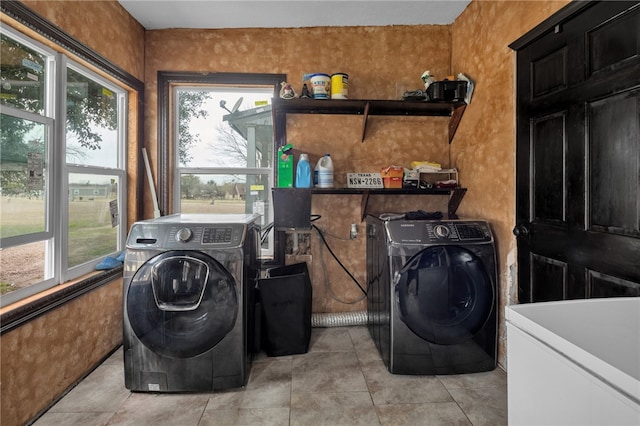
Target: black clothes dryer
[[188, 289], [432, 298]]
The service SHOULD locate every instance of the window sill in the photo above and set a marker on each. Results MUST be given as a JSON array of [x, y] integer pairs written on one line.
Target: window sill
[[18, 313]]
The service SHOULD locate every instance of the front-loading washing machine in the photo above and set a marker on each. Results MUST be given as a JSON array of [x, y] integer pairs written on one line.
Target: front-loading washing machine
[[432, 297], [188, 288]]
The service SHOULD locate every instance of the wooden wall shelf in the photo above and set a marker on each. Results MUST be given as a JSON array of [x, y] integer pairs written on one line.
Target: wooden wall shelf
[[455, 195], [372, 107]]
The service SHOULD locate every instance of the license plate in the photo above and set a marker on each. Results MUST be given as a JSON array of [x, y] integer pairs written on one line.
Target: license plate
[[364, 180]]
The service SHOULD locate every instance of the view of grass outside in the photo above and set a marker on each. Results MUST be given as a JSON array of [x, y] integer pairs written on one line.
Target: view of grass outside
[[90, 232], [217, 206], [90, 236], [21, 215], [23, 265]]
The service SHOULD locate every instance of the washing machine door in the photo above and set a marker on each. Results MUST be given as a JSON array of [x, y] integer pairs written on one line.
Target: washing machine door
[[181, 303], [444, 294]]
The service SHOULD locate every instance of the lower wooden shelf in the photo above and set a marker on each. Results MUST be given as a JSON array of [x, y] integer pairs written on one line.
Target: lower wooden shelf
[[455, 195]]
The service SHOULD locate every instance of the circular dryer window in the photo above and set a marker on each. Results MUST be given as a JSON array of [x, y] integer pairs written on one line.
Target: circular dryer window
[[444, 294], [182, 303]]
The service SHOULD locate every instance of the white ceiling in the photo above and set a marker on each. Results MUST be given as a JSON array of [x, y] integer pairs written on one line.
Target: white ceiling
[[160, 14]]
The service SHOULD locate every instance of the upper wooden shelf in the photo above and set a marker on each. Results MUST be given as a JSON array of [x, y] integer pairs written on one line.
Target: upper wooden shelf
[[373, 107]]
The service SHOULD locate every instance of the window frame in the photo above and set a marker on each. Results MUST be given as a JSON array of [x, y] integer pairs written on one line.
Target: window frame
[[55, 236], [47, 118], [120, 170], [48, 122], [167, 80], [20, 16]]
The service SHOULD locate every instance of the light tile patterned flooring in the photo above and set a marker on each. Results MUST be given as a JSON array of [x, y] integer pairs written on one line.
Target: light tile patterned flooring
[[340, 381]]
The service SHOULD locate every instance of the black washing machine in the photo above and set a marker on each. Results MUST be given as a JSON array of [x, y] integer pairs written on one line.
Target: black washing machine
[[188, 298], [432, 298]]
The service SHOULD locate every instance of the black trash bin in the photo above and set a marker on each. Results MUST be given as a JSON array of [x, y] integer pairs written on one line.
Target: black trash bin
[[286, 309]]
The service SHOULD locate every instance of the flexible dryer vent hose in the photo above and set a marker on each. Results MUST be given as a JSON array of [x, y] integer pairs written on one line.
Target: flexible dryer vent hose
[[340, 319]]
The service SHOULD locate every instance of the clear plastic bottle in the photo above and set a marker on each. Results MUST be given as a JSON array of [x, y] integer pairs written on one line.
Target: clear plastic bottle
[[324, 170], [303, 172]]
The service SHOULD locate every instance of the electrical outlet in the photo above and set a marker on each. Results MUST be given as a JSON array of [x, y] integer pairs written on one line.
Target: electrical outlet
[[354, 231]]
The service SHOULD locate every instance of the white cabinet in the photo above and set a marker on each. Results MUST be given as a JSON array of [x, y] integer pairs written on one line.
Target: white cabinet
[[574, 362]]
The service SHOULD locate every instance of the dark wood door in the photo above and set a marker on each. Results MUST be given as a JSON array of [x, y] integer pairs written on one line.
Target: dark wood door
[[578, 154]]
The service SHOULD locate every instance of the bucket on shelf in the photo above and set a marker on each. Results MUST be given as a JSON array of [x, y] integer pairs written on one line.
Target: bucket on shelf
[[320, 86], [339, 85]]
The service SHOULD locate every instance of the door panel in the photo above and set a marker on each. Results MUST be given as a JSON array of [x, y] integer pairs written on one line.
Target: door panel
[[549, 73], [601, 285], [578, 156], [614, 42], [551, 276], [614, 153], [549, 183]]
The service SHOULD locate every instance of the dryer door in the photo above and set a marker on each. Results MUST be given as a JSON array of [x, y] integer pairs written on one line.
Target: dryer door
[[181, 303], [444, 294]]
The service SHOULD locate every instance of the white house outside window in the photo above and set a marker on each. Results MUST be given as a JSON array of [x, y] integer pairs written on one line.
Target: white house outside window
[[224, 144]]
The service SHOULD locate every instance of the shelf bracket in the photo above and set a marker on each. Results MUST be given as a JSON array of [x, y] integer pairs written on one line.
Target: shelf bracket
[[363, 205], [456, 116], [364, 121], [457, 194]]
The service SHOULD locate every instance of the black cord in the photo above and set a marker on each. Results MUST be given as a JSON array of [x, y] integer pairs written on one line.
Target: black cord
[[338, 260], [265, 232], [315, 217]]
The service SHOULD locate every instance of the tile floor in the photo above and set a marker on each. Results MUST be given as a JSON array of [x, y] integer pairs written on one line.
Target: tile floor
[[340, 381]]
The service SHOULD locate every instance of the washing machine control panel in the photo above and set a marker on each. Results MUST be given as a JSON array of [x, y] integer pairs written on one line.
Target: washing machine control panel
[[458, 231], [438, 232], [217, 235], [441, 231], [201, 235], [186, 236]]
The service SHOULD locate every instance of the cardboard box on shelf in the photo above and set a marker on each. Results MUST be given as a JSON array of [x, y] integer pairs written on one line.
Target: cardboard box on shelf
[[433, 179], [392, 176], [285, 166]]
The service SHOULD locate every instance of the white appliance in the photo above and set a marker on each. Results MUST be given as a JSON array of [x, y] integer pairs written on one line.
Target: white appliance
[[574, 362]]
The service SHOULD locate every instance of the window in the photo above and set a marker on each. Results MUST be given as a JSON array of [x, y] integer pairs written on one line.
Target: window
[[61, 168], [224, 155], [94, 169], [223, 140]]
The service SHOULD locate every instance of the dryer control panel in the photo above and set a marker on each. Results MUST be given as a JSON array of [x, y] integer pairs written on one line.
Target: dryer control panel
[[185, 233], [438, 232]]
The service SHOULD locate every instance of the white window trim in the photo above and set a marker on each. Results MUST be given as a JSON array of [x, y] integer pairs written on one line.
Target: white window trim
[[56, 234], [67, 273], [48, 232], [180, 170]]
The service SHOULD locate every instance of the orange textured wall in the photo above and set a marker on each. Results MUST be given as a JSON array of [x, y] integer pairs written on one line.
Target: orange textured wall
[[484, 146], [45, 356], [104, 26], [376, 58]]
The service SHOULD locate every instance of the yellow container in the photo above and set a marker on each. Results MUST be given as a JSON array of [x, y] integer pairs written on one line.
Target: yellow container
[[339, 86]]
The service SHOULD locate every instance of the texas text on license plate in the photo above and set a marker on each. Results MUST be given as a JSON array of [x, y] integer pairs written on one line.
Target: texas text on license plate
[[364, 180]]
